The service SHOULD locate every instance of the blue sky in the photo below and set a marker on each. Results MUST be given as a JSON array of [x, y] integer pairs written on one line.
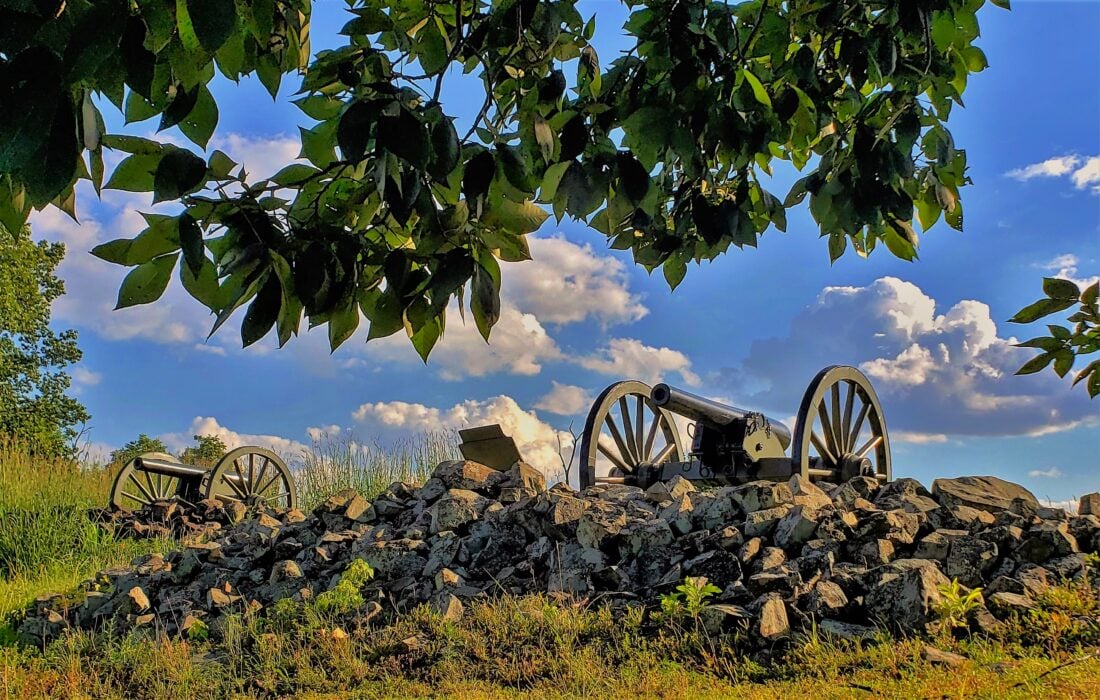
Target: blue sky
[[752, 328]]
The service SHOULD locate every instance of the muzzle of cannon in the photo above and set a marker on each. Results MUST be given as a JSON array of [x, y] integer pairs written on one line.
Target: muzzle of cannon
[[250, 475], [632, 436]]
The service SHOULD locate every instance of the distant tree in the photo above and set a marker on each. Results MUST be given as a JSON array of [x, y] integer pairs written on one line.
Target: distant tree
[[206, 451], [1061, 348], [33, 404], [132, 449], [667, 149]]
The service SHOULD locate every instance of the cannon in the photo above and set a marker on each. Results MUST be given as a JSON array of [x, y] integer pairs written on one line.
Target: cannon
[[631, 435], [251, 475]]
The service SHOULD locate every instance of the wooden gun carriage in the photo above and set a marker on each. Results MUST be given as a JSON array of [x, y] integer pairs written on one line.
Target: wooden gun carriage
[[631, 436], [250, 475]]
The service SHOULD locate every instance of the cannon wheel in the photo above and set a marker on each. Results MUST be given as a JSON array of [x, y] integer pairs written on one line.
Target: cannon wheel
[[253, 475], [829, 441], [135, 488], [623, 426]]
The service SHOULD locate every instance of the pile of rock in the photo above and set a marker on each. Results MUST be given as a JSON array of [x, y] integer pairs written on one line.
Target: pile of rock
[[785, 555], [172, 519]]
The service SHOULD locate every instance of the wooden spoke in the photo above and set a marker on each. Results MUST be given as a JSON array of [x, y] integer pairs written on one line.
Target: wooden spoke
[[827, 427], [618, 438], [263, 470], [869, 445], [628, 428], [653, 428], [262, 490], [847, 438], [613, 455], [823, 450], [143, 489], [665, 453], [838, 434], [639, 429], [858, 428], [251, 469]]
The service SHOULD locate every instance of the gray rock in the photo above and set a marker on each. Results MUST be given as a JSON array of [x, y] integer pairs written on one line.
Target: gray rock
[[826, 599], [797, 527], [285, 570], [679, 514], [760, 495], [772, 623], [1046, 542], [846, 630], [906, 600], [465, 475], [456, 508], [760, 523], [597, 527], [806, 493], [935, 545], [986, 493], [1005, 604], [1089, 504], [938, 657], [969, 560]]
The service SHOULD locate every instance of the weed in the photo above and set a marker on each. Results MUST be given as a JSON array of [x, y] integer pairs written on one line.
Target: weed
[[957, 604], [690, 598], [344, 597]]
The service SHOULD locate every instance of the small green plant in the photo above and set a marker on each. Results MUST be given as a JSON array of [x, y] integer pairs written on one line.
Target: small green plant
[[198, 631], [957, 604], [690, 598], [345, 597], [1092, 561]]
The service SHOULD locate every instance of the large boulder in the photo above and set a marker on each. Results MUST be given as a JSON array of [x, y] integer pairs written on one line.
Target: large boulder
[[905, 598], [986, 493]]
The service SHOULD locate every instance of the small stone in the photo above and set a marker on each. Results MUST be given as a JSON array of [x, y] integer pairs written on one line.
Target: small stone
[[797, 527], [761, 495], [907, 599], [1006, 603], [285, 570], [805, 493], [877, 552], [144, 620], [1045, 542], [826, 599], [138, 599], [456, 509], [447, 606], [356, 508], [938, 657], [446, 578], [217, 598], [1089, 504], [773, 621], [523, 475], [730, 538], [846, 630], [935, 545], [760, 523], [771, 558], [464, 474]]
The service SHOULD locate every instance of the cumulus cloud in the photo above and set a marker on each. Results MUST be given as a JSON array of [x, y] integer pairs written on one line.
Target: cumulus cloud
[[289, 450], [565, 400], [567, 283], [938, 373], [83, 376], [537, 441], [261, 156], [1051, 473], [1084, 172], [629, 358], [915, 438]]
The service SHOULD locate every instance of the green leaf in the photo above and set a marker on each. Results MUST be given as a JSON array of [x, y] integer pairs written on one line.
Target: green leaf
[[1036, 363], [518, 217], [550, 181], [353, 132], [975, 59], [113, 251], [430, 49], [1044, 343], [220, 164], [478, 175], [203, 286], [200, 122], [294, 174], [544, 137], [405, 136], [425, 337], [190, 237], [319, 107], [675, 268], [146, 282], [342, 324], [758, 90], [445, 149], [1043, 307], [838, 242], [213, 21], [485, 302], [385, 311], [1059, 332], [180, 106], [132, 144], [1061, 289], [1090, 295], [899, 245], [179, 172], [1063, 361], [134, 173], [262, 312], [317, 146]]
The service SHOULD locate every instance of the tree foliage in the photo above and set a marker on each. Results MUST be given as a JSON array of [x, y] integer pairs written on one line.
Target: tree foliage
[[667, 149], [206, 451], [33, 383], [139, 446], [1061, 348]]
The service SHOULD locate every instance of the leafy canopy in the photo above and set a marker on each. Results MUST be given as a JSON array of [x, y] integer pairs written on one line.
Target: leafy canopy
[[137, 447], [206, 451], [666, 149], [34, 404]]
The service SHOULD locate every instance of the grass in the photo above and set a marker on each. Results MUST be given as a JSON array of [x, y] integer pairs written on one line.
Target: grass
[[334, 464], [530, 646]]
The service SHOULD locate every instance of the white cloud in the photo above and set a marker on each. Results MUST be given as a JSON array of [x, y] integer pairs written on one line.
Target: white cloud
[[318, 433], [537, 441], [82, 376], [937, 373], [289, 450], [1065, 267], [261, 156], [628, 358], [916, 438], [568, 283], [1085, 172], [565, 400], [1070, 505], [1051, 167], [1051, 473]]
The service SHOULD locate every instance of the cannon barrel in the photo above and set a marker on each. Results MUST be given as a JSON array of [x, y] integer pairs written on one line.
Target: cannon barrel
[[711, 413]]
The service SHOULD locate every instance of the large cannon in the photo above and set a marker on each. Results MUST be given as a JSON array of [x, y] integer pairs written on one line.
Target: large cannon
[[250, 475], [631, 436]]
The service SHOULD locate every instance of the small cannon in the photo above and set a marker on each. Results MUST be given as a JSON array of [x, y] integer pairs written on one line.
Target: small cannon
[[631, 437], [246, 474]]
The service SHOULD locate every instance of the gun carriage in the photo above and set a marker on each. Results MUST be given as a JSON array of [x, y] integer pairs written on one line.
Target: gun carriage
[[250, 475], [631, 435]]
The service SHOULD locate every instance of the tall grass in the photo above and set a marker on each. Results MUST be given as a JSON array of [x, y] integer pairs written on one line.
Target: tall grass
[[45, 532], [334, 464]]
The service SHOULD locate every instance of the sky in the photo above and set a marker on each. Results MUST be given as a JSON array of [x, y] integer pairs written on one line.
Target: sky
[[752, 328]]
